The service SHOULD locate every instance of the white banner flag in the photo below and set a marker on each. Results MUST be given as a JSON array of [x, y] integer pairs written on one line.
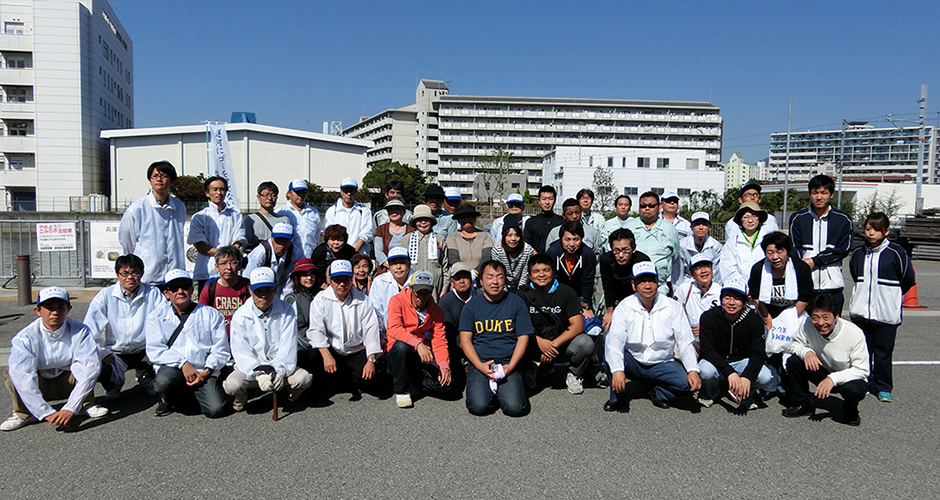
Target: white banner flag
[[220, 161]]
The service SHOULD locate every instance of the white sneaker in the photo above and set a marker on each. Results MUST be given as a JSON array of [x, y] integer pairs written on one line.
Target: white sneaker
[[113, 394], [705, 402], [403, 400], [238, 405], [575, 384], [15, 422], [95, 411]]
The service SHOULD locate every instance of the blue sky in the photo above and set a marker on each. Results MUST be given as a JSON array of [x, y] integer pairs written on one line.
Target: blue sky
[[298, 64]]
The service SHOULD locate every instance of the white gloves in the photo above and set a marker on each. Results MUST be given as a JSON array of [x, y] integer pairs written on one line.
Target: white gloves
[[265, 383], [278, 382]]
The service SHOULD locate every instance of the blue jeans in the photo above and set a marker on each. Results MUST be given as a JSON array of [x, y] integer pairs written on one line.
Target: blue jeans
[[510, 393], [767, 379], [669, 378]]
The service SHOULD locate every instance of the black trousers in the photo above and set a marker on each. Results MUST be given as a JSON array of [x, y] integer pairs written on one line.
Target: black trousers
[[407, 370], [171, 387], [135, 360], [348, 370], [852, 392]]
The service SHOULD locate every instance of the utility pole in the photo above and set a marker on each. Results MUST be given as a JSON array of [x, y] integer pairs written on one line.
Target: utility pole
[[786, 168], [841, 164], [918, 196]]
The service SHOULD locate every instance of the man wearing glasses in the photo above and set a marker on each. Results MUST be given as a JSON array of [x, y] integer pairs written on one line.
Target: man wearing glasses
[[656, 238], [116, 317], [354, 216], [259, 224], [617, 270], [152, 227], [750, 192], [230, 290]]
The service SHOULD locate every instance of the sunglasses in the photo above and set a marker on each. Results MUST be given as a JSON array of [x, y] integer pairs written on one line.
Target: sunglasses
[[649, 205], [173, 287]]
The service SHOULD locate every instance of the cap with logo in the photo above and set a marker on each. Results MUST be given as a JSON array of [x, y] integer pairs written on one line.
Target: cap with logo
[[398, 253], [176, 274], [701, 217], [644, 269], [699, 260], [422, 280], [349, 182], [734, 286], [515, 198], [282, 230], [53, 292], [261, 277], [341, 268], [452, 193], [298, 185]]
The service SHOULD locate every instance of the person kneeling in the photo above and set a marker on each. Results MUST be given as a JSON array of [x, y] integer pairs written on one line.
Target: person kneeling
[[417, 340], [645, 330], [264, 344], [54, 357], [187, 344], [732, 341], [555, 311], [831, 353]]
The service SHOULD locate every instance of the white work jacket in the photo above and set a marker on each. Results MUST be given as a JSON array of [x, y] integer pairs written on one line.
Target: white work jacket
[[694, 302], [738, 257], [117, 322], [38, 352], [711, 249], [217, 229], [280, 265], [264, 338], [357, 220], [154, 233], [650, 337], [202, 342], [348, 327], [384, 287], [306, 224]]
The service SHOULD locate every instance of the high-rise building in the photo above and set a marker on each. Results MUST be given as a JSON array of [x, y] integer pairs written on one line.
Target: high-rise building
[[454, 133], [872, 154], [66, 73], [737, 171]]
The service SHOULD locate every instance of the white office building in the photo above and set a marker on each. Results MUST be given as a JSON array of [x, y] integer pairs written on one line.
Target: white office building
[[635, 170], [871, 154], [258, 152], [66, 73], [455, 132]]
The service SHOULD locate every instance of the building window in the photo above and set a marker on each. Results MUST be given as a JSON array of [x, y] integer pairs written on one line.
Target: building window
[[623, 162], [631, 191], [14, 28], [684, 191], [662, 162], [691, 163], [610, 161], [643, 163]]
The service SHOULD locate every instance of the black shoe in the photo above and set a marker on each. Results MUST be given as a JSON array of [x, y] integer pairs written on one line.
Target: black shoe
[[659, 403], [798, 411], [162, 410], [854, 422], [611, 406]]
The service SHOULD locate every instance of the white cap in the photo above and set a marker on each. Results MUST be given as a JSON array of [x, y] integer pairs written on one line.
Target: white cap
[[699, 259], [53, 292], [398, 253], [298, 185], [643, 268], [515, 198], [669, 194], [422, 280], [341, 268], [349, 182], [702, 216], [452, 193], [282, 230], [176, 274], [261, 277], [738, 286]]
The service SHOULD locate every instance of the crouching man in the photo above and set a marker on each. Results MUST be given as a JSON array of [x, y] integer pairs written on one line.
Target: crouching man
[[417, 342], [645, 330], [55, 357], [732, 340], [187, 345], [264, 344], [831, 353]]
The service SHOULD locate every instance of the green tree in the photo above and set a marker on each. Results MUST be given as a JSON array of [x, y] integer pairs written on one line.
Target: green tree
[[604, 191], [493, 172], [189, 188], [890, 204], [385, 171]]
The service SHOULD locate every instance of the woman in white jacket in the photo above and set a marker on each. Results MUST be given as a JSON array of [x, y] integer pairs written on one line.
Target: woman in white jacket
[[743, 250], [344, 332]]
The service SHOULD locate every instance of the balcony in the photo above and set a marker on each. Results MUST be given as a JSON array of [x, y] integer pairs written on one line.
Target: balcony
[[17, 144], [17, 76], [18, 110], [18, 43]]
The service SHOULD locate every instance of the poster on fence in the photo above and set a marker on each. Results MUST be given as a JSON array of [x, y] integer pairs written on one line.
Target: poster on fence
[[105, 248], [55, 236]]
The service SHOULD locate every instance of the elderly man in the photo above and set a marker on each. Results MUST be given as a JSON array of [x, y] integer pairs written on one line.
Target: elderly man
[[656, 238], [445, 223], [187, 345], [831, 353], [54, 357], [645, 332], [264, 345], [117, 317], [417, 343], [277, 253], [354, 216], [304, 217]]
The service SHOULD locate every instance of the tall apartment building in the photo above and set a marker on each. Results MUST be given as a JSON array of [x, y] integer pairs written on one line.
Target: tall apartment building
[[453, 133], [737, 171], [66, 73], [872, 154]]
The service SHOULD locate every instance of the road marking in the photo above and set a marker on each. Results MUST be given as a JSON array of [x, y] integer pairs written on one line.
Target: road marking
[[921, 313], [915, 362]]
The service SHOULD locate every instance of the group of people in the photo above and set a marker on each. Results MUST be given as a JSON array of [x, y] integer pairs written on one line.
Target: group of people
[[426, 303]]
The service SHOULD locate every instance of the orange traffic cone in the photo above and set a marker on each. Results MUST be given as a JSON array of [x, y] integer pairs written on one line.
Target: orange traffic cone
[[910, 298]]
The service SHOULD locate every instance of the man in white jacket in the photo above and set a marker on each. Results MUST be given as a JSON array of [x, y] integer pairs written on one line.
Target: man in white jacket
[[213, 227], [152, 227], [264, 345], [303, 216], [344, 331], [55, 357], [644, 332], [831, 353], [280, 253], [354, 216], [117, 316], [187, 345], [387, 285]]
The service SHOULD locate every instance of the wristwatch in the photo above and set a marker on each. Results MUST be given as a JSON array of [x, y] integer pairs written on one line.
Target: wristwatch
[[372, 359]]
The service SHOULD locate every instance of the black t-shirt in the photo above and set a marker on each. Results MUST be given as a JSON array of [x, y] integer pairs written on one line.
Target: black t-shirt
[[550, 311], [617, 280], [778, 301]]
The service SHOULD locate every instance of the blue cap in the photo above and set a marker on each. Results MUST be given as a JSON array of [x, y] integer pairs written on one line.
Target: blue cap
[[452, 193], [643, 269], [736, 286], [298, 185], [398, 253]]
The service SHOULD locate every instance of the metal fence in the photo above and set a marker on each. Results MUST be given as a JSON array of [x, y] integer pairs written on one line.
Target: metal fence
[[18, 237]]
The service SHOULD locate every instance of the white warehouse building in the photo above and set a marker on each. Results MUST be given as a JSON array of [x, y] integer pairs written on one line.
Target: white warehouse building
[[259, 153], [635, 170]]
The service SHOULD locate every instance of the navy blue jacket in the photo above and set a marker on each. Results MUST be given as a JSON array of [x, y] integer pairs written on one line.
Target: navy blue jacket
[[827, 258]]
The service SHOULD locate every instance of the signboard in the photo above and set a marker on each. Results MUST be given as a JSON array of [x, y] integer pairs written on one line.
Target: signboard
[[221, 162], [55, 236], [105, 248]]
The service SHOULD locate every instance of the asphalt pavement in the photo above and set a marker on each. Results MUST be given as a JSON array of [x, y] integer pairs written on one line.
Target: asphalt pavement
[[566, 447]]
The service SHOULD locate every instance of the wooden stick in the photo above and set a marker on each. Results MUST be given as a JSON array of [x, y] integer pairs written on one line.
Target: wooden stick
[[275, 405]]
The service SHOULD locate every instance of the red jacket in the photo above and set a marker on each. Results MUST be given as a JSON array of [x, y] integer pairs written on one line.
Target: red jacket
[[402, 326]]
